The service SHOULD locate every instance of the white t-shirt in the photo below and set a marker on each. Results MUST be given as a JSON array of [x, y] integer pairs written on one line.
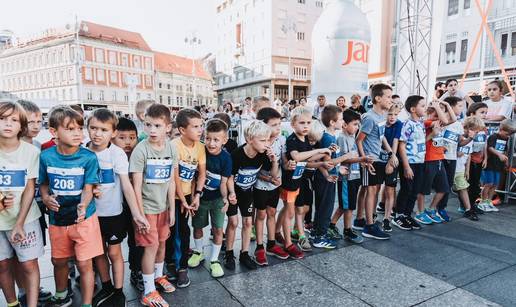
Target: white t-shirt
[[451, 138], [462, 160], [279, 147], [502, 107], [113, 162]]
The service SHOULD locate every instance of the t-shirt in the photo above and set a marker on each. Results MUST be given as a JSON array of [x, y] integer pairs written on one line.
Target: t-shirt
[[348, 144], [278, 147], [413, 135], [113, 163], [157, 168], [48, 144], [245, 169], [451, 136], [230, 145], [391, 132], [326, 141], [360, 110], [66, 176], [217, 166], [189, 160], [291, 179], [373, 126], [466, 150], [502, 107], [318, 110], [500, 145], [14, 174], [435, 146]]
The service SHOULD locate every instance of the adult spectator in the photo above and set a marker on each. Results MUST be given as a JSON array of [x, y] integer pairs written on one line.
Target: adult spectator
[[356, 105], [302, 101], [321, 103], [341, 102]]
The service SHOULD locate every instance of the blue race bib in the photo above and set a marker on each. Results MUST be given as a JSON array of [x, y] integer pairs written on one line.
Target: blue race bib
[[300, 169], [451, 136], [158, 170], [37, 194], [12, 180], [500, 146], [66, 181], [187, 171], [466, 150], [384, 156], [212, 181], [107, 176], [246, 178], [355, 169]]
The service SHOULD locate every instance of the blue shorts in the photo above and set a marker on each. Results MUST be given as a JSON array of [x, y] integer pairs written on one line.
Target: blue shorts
[[435, 178], [490, 177]]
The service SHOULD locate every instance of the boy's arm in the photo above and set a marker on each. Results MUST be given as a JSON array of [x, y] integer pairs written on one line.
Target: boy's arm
[[224, 192], [360, 144], [305, 155], [231, 190], [137, 186], [201, 181], [17, 233], [86, 198], [171, 196], [179, 190], [130, 197]]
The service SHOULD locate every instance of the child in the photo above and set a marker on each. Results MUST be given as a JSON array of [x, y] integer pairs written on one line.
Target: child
[[496, 160], [230, 144], [34, 122], [412, 150], [452, 90], [248, 159], [67, 173], [114, 169], [151, 166], [139, 110], [498, 107], [214, 201], [20, 231], [369, 143]]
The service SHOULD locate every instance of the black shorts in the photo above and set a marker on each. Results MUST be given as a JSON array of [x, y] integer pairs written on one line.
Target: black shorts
[[244, 203], [391, 180], [113, 228], [369, 179], [306, 193], [348, 193], [435, 178], [264, 199]]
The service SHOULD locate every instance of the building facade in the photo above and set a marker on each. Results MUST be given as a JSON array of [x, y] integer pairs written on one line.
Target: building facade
[[261, 43]]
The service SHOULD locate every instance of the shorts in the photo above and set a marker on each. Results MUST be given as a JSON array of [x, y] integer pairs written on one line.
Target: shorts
[[211, 208], [289, 196], [244, 203], [159, 230], [369, 179], [29, 249], [348, 193], [113, 228], [82, 240], [391, 180], [490, 177], [264, 199], [435, 177], [459, 182], [306, 193]]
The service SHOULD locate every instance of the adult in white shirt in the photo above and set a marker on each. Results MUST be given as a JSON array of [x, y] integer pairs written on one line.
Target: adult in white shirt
[[321, 103], [452, 87], [498, 106], [257, 104]]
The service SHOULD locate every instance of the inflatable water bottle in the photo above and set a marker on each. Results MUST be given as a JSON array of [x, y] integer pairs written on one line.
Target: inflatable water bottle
[[340, 52]]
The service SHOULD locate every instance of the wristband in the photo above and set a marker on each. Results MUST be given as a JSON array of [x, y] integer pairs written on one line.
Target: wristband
[[197, 193]]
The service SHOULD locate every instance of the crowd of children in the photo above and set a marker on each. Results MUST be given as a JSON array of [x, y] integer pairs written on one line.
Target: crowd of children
[[154, 179]]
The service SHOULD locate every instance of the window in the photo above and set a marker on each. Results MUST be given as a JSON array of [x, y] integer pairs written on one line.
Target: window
[[467, 4], [318, 3], [101, 95], [113, 77], [87, 74], [300, 36], [71, 94], [148, 63], [138, 96], [100, 75], [64, 94], [89, 95], [301, 1], [453, 7], [125, 59], [463, 50], [148, 81], [503, 44], [56, 80], [169, 99], [136, 61], [450, 52], [63, 76], [168, 86], [113, 96], [112, 57], [126, 97], [99, 55], [513, 43], [160, 99]]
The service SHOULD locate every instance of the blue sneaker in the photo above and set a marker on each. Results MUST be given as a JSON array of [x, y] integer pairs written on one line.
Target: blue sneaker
[[358, 224], [461, 210], [324, 242], [374, 232], [423, 218], [443, 214], [432, 214]]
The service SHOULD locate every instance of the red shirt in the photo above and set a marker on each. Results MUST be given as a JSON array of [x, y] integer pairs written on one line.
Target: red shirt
[[48, 144], [433, 153]]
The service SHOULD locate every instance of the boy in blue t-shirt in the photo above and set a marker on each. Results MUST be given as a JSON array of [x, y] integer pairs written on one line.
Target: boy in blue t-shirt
[[67, 173]]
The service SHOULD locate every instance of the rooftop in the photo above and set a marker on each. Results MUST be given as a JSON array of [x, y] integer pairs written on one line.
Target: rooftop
[[170, 63]]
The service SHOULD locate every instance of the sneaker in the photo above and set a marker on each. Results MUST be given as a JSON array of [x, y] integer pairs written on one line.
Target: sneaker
[[182, 278], [483, 207], [277, 252], [496, 201], [304, 245], [153, 299], [279, 238], [294, 236], [162, 283], [386, 226], [247, 261], [136, 280], [334, 233], [117, 300], [374, 232], [380, 208], [324, 242], [401, 222], [43, 297], [229, 261], [470, 214], [309, 227], [358, 224], [102, 296], [476, 209], [59, 302], [294, 252], [253, 234], [171, 273], [443, 214], [460, 209], [353, 237], [432, 214], [216, 270], [423, 218], [260, 257], [413, 223], [196, 259], [490, 207], [393, 215]]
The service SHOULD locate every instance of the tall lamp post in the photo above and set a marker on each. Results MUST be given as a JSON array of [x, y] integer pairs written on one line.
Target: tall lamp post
[[289, 26], [193, 41]]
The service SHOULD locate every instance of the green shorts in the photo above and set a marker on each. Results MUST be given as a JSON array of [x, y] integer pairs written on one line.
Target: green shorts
[[459, 182], [211, 208]]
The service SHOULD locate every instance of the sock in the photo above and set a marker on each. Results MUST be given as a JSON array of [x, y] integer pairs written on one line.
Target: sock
[[229, 252], [61, 294], [21, 292], [295, 231], [198, 245], [15, 303], [347, 230], [86, 305], [215, 251], [118, 290], [107, 286], [244, 253], [158, 269], [271, 243], [259, 246], [148, 283], [301, 237], [332, 225]]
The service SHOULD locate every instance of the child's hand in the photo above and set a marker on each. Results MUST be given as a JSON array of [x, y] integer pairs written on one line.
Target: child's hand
[[51, 203], [367, 159], [8, 201], [334, 148], [409, 174], [276, 181], [17, 234], [226, 205], [325, 151], [436, 128], [343, 170], [371, 169], [460, 154], [97, 193], [484, 163], [393, 161], [466, 175], [291, 165], [503, 158], [435, 103], [196, 202], [81, 212], [232, 198], [331, 178], [172, 218], [141, 223], [271, 155], [328, 165]]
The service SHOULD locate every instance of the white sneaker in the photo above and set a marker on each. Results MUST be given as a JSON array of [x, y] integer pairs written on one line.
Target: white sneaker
[[492, 207], [482, 206]]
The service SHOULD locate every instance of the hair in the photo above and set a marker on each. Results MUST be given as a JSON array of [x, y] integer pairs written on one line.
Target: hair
[[248, 98], [412, 102], [438, 85], [292, 102], [104, 116], [349, 115], [395, 96], [302, 98], [452, 100], [29, 106], [8, 107], [298, 112], [224, 117], [355, 97], [255, 129], [340, 98], [330, 113], [316, 130], [125, 124], [184, 115], [377, 90], [474, 123], [62, 116], [141, 105], [321, 96], [394, 108], [257, 100], [450, 81], [439, 93], [474, 107], [156, 110], [267, 114], [78, 108], [508, 125], [216, 125], [497, 83]]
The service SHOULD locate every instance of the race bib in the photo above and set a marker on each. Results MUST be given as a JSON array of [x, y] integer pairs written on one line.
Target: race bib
[[479, 141], [107, 176], [355, 169], [300, 169], [246, 178], [466, 150], [381, 129], [158, 170], [212, 181], [384, 156], [37, 194], [451, 137], [12, 179], [66, 181], [420, 148], [438, 140], [492, 129], [500, 146], [187, 171]]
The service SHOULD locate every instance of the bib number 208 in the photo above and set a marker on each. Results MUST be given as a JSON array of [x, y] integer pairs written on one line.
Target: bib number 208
[[64, 184]]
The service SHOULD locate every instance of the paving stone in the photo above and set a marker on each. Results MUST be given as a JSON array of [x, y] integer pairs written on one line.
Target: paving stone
[[498, 287], [458, 298]]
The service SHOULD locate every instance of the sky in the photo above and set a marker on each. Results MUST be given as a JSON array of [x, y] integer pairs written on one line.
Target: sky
[[162, 23]]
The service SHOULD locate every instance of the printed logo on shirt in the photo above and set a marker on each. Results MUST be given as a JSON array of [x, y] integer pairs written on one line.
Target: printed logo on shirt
[[66, 181], [500, 145], [479, 141], [12, 179], [187, 171], [246, 178], [212, 181], [158, 170], [355, 169], [300, 169]]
